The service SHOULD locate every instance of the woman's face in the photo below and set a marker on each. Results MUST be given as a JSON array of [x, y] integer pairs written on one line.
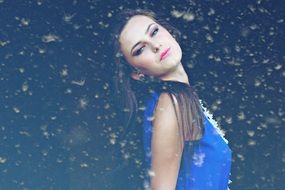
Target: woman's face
[[143, 41]]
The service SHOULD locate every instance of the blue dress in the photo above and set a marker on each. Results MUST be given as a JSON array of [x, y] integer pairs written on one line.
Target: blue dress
[[205, 163]]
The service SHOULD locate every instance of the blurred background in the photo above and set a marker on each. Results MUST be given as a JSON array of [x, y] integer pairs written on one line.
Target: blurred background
[[58, 119]]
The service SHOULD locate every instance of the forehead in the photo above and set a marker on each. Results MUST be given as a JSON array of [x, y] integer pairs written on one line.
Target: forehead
[[134, 28]]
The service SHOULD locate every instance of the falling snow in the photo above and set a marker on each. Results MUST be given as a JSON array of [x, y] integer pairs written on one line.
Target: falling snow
[[59, 123]]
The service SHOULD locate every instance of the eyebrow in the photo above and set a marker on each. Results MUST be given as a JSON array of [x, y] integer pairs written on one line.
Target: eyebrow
[[139, 41]]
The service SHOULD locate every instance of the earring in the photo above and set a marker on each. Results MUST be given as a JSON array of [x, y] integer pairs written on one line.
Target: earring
[[141, 76]]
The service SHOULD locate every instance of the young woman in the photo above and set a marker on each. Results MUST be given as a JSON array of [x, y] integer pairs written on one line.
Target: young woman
[[183, 147]]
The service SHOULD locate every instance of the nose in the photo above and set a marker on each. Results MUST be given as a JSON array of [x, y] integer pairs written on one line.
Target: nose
[[156, 46]]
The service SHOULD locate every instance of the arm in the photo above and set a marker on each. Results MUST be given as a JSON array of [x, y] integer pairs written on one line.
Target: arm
[[166, 145]]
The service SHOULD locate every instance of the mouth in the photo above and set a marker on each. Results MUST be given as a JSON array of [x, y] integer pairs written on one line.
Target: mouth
[[164, 54]]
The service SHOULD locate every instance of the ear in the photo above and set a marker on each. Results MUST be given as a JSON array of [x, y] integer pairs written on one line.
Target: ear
[[135, 75]]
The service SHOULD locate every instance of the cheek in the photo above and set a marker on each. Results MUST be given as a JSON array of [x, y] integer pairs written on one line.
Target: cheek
[[146, 58], [145, 62], [140, 63]]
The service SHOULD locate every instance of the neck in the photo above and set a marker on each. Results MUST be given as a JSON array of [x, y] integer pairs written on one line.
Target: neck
[[178, 74]]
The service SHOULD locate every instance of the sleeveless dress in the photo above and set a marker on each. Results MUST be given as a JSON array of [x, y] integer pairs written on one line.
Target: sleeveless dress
[[205, 163]]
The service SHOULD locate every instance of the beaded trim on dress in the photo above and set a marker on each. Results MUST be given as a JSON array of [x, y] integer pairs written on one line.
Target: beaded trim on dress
[[215, 124]]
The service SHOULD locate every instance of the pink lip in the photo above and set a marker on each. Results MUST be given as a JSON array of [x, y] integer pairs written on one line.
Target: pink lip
[[164, 54]]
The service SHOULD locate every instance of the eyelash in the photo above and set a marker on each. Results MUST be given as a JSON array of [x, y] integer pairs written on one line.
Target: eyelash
[[152, 34]]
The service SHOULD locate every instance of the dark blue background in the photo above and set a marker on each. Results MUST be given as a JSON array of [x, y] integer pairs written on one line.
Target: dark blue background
[[58, 123]]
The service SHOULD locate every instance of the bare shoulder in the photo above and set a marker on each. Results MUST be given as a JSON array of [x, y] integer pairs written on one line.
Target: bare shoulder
[[165, 145], [165, 120], [165, 104], [165, 110]]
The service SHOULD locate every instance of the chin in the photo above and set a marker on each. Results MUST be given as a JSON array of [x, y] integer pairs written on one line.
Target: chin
[[176, 60], [177, 54]]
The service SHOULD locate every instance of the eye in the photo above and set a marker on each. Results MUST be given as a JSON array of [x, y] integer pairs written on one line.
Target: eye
[[154, 31], [138, 52]]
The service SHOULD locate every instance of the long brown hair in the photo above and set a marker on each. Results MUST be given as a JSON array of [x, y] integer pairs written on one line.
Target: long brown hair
[[189, 113]]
